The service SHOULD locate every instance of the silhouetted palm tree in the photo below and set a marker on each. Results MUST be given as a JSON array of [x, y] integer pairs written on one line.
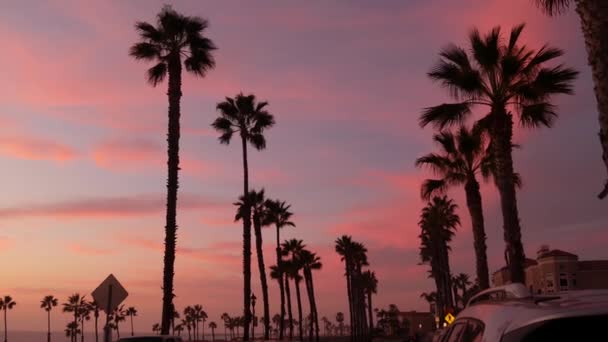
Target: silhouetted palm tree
[[131, 312], [84, 314], [72, 331], [460, 282], [212, 326], [175, 37], [73, 305], [593, 14], [463, 156], [249, 119], [48, 303], [438, 222], [156, 328], [430, 298], [178, 329], [340, 320], [119, 315], [508, 78], [278, 214], [6, 303], [344, 246], [292, 248], [174, 316], [310, 261], [95, 309], [370, 285], [226, 319]]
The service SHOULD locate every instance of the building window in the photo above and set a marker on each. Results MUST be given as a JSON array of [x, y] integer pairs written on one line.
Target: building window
[[563, 282]]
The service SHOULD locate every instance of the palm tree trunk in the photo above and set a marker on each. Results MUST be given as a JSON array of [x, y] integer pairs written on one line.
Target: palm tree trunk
[[314, 305], [369, 311], [281, 287], [213, 334], [290, 316], [203, 332], [174, 93], [310, 305], [594, 23], [132, 325], [246, 244], [479, 235], [258, 245], [49, 326], [350, 297], [502, 132], [96, 328], [299, 299], [5, 329]]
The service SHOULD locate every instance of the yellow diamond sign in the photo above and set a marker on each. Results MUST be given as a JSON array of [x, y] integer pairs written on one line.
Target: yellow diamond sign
[[449, 318]]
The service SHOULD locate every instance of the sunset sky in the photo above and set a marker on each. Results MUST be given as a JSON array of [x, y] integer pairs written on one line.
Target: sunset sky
[[82, 148]]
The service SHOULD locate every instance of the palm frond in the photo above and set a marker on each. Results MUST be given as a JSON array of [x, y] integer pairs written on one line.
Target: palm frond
[[486, 50], [432, 187], [148, 31], [545, 54], [157, 73], [228, 108], [537, 114], [445, 115], [145, 51], [199, 62], [258, 141], [553, 7], [550, 81], [437, 163], [460, 81], [514, 37], [446, 140], [263, 121]]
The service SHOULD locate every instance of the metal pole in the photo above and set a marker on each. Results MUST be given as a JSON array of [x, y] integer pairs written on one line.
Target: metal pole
[[107, 334]]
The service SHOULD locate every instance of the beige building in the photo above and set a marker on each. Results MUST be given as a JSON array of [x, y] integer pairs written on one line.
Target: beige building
[[556, 271]]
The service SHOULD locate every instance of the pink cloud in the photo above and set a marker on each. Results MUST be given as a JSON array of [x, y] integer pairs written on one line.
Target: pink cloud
[[87, 250], [109, 207], [30, 148], [5, 243]]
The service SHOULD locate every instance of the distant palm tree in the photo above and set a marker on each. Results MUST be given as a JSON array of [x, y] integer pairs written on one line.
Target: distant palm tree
[[95, 309], [279, 215], [72, 331], [461, 282], [74, 305], [131, 312], [178, 329], [175, 37], [430, 298], [463, 156], [370, 285], [173, 318], [506, 77], [84, 314], [119, 315], [593, 14], [340, 320], [292, 248], [156, 328], [249, 119], [6, 303], [438, 222], [190, 321], [212, 326], [226, 319], [48, 303], [310, 262], [257, 203]]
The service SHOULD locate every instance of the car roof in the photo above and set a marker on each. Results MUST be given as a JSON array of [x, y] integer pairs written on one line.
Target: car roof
[[500, 317]]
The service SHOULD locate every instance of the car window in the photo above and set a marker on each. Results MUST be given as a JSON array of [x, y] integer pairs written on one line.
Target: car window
[[455, 332], [473, 331]]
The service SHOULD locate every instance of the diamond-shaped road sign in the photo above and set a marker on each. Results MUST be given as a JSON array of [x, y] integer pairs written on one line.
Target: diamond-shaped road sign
[[449, 318], [109, 294]]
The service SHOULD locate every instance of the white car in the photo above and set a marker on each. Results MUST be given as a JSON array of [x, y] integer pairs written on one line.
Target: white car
[[511, 314], [151, 338]]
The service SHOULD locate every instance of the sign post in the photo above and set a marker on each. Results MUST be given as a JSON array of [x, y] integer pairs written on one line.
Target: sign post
[[108, 295]]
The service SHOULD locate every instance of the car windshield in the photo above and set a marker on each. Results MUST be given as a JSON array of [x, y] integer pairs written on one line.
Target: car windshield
[[563, 329], [141, 339]]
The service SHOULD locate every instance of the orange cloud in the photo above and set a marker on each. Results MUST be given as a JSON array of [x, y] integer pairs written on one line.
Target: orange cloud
[[29, 148], [109, 207], [83, 249]]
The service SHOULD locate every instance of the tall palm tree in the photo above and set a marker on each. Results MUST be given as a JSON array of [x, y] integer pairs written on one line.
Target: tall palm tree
[[508, 78], [226, 319], [438, 222], [359, 258], [212, 326], [156, 328], [278, 214], [340, 320], [257, 203], [189, 320], [95, 309], [593, 14], [48, 303], [461, 282], [249, 119], [197, 316], [72, 331], [344, 248], [73, 305], [119, 315], [174, 38], [310, 261], [292, 248], [6, 303], [463, 156], [174, 316], [178, 329], [430, 298], [131, 312], [84, 315], [370, 285]]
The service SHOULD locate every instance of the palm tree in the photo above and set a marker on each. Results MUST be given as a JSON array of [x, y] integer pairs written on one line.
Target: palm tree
[[72, 331], [189, 320], [6, 303], [344, 246], [292, 248], [173, 318], [48, 303], [226, 319], [84, 314], [370, 285], [460, 282], [156, 328], [175, 37], [212, 326], [310, 262], [593, 14], [95, 309], [461, 159], [119, 315], [249, 119], [257, 203], [340, 320], [430, 298], [438, 222], [131, 312], [178, 328], [278, 214], [507, 78], [73, 305]]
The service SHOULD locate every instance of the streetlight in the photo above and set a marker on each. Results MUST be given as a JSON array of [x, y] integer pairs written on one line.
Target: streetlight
[[254, 320]]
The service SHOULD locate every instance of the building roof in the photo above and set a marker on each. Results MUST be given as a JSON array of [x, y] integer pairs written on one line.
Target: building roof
[[529, 262], [557, 253]]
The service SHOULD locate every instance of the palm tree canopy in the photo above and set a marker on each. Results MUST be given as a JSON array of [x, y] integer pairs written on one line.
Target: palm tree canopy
[[553, 7], [7, 303], [174, 36], [212, 325], [438, 222], [48, 302], [293, 246], [344, 245], [310, 260], [501, 73], [278, 213], [370, 282], [74, 303], [243, 115], [131, 311]]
